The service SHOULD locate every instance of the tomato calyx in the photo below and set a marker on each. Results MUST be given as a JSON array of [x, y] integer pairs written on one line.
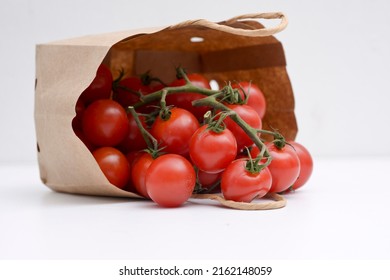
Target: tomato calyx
[[232, 95], [116, 84], [253, 166], [141, 83], [181, 73], [165, 112], [279, 141], [147, 79], [216, 123], [244, 92]]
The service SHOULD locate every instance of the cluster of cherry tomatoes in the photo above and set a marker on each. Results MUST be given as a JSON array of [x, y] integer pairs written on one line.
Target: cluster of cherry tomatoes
[[149, 138]]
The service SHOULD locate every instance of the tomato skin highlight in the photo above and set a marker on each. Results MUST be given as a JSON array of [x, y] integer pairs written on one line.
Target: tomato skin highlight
[[238, 184], [175, 133], [256, 97], [212, 152], [105, 123], [114, 165], [170, 180], [306, 164]]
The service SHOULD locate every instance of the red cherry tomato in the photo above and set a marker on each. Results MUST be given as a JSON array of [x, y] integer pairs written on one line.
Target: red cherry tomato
[[175, 133], [184, 100], [77, 129], [284, 166], [208, 179], [105, 123], [238, 184], [131, 159], [138, 173], [80, 107], [114, 165], [212, 152], [256, 97], [306, 163], [255, 151], [129, 90], [249, 115], [134, 140], [170, 180], [156, 87], [100, 88], [133, 156]]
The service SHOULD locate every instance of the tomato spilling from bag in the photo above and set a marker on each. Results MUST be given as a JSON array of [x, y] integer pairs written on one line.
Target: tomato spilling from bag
[[168, 141]]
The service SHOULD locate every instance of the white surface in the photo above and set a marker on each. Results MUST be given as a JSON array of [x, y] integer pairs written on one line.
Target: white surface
[[337, 56], [341, 214]]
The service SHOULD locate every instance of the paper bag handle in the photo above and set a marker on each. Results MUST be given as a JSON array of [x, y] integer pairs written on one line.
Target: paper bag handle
[[262, 32]]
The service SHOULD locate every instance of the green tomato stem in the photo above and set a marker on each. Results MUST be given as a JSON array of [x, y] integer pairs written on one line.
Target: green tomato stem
[[165, 113], [279, 140], [151, 142], [146, 99], [211, 100]]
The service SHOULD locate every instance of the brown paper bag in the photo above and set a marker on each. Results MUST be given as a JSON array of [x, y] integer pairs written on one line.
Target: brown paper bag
[[235, 50]]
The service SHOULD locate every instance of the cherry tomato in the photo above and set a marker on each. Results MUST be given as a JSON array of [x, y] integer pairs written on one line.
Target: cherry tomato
[[284, 166], [249, 115], [184, 100], [238, 184], [77, 129], [138, 172], [170, 180], [255, 150], [209, 180], [175, 133], [100, 87], [114, 165], [156, 87], [256, 97], [306, 163], [212, 152], [134, 140], [129, 90], [131, 158], [105, 123], [80, 107]]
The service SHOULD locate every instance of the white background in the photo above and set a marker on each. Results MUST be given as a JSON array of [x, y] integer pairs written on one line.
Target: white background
[[338, 61], [337, 56]]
